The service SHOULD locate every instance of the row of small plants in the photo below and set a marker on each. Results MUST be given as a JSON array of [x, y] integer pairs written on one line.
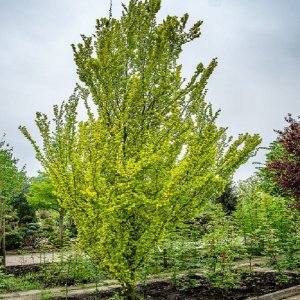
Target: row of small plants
[[220, 245], [262, 226], [75, 269]]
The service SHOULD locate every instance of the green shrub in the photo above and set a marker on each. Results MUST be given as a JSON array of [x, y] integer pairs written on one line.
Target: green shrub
[[77, 269], [13, 239], [222, 246], [12, 284]]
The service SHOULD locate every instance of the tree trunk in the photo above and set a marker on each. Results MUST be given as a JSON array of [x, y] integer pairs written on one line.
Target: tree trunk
[[165, 259], [61, 230], [2, 237], [129, 291]]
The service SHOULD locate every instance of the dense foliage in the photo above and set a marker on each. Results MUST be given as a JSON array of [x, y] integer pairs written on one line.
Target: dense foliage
[[228, 199], [267, 182], [151, 154], [285, 168], [42, 196], [12, 183], [268, 225]]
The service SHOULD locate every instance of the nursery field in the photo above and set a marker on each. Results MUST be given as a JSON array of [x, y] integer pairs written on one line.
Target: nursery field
[[214, 257], [240, 245], [71, 275]]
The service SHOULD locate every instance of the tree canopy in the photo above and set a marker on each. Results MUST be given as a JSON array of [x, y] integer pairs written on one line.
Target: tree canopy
[[265, 179], [149, 153], [285, 167], [41, 193], [12, 183], [12, 180], [229, 198]]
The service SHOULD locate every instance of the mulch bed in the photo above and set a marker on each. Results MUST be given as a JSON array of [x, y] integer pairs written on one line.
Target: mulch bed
[[20, 270], [251, 285]]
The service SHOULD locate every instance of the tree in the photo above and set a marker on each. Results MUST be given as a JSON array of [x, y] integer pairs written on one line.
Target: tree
[[12, 182], [25, 213], [42, 196], [266, 222], [266, 181], [19, 219], [285, 169], [228, 199], [149, 154]]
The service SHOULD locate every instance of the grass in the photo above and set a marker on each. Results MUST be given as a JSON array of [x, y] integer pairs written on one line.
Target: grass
[[10, 283]]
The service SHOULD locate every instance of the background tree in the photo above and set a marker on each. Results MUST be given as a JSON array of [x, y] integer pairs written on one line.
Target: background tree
[[12, 182], [266, 222], [285, 168], [150, 155], [265, 180], [20, 221], [25, 212], [42, 196], [228, 199]]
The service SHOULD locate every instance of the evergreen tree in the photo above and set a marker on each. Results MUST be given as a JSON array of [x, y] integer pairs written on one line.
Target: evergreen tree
[[228, 199]]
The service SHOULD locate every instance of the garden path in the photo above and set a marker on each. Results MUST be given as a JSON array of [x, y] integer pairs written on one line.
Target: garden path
[[296, 297], [35, 258]]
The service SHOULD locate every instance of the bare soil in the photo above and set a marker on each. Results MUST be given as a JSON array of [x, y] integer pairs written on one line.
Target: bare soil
[[252, 285]]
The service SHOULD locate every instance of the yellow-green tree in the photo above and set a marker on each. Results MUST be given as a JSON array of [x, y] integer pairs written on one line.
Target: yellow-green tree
[[42, 196], [149, 153]]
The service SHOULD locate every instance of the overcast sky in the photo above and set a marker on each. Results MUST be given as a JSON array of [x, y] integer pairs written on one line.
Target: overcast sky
[[256, 83]]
